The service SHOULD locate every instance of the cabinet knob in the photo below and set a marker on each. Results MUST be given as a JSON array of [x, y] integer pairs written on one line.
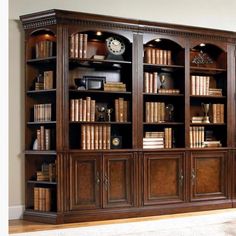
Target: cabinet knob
[[106, 182], [193, 176], [181, 177], [97, 178]]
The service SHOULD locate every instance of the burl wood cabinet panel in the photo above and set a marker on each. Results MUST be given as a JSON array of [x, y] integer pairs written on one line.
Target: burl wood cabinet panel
[[85, 182], [208, 175], [163, 178], [118, 180]]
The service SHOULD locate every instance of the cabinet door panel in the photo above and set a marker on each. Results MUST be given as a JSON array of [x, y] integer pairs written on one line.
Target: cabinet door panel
[[163, 178], [208, 175], [85, 181], [118, 186]]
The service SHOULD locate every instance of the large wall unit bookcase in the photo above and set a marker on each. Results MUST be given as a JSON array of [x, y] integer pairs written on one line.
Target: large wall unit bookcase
[[126, 118]]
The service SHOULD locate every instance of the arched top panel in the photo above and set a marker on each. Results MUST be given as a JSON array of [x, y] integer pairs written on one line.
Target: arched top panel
[[208, 54], [163, 51], [41, 44], [100, 44]]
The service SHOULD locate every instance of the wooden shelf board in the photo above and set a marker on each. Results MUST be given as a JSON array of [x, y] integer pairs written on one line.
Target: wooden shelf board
[[41, 123], [38, 152], [101, 122], [41, 182], [99, 92], [44, 60], [164, 94], [163, 123], [44, 91]]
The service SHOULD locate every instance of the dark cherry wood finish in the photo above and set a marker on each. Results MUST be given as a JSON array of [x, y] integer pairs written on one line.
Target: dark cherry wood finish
[[129, 182]]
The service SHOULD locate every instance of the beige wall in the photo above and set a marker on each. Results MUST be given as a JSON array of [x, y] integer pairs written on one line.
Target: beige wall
[[211, 14]]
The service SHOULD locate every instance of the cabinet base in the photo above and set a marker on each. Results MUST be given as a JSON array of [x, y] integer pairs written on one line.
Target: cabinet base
[[111, 214]]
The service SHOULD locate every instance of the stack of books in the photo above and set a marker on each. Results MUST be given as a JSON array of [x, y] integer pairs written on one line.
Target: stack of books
[[197, 119], [215, 92], [168, 91], [47, 172], [115, 86], [155, 140], [213, 143]]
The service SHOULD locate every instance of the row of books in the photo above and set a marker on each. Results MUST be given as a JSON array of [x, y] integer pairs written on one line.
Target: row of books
[[42, 199], [155, 140], [200, 139], [43, 49], [82, 109], [218, 113], [196, 136], [150, 82], [78, 45], [157, 56], [43, 139], [200, 85], [47, 172], [95, 137], [121, 110], [42, 112], [115, 86], [154, 112], [45, 81]]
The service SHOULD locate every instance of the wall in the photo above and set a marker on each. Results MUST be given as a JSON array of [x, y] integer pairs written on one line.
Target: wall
[[210, 14]]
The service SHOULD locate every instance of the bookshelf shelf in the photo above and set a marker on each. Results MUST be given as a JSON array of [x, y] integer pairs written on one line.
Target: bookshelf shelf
[[206, 97], [118, 123], [99, 92], [207, 70], [34, 152], [41, 182], [41, 92], [42, 61], [101, 122], [164, 123], [163, 94], [41, 123]]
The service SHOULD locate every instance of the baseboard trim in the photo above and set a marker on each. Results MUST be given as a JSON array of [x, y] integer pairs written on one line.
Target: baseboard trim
[[16, 212]]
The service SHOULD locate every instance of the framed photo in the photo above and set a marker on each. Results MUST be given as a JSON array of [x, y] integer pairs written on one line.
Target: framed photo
[[95, 82]]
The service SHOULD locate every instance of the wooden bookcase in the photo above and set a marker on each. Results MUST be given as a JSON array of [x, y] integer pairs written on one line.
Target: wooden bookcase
[[145, 132]]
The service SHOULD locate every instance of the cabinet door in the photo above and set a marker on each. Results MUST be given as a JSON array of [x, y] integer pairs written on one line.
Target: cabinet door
[[85, 181], [118, 180], [163, 178], [208, 175]]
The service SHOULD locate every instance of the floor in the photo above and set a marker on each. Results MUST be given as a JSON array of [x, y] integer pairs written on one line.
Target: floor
[[220, 222]]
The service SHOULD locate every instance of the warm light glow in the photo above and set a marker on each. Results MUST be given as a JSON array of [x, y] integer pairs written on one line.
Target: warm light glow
[[202, 44], [158, 40], [47, 35], [99, 33]]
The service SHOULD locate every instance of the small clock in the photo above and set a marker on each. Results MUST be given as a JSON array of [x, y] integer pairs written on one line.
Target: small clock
[[116, 142], [115, 47]]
